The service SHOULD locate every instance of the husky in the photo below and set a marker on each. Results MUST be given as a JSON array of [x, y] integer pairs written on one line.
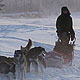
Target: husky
[[6, 67], [20, 62], [34, 56]]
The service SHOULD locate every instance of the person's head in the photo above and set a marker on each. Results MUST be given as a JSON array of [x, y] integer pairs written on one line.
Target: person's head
[[65, 11]]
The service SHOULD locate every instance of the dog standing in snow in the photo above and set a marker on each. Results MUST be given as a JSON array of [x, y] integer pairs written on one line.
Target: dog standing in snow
[[34, 56], [20, 62]]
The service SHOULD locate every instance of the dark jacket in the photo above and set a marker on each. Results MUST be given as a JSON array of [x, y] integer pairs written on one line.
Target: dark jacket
[[64, 23]]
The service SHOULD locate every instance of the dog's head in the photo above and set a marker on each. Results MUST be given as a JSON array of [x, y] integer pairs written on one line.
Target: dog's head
[[42, 50], [27, 48], [24, 50], [18, 54], [18, 57]]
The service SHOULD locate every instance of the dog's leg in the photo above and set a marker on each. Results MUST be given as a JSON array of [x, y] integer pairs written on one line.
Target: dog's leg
[[18, 72], [21, 71], [8, 77], [28, 65], [24, 72], [41, 67], [41, 62], [35, 64]]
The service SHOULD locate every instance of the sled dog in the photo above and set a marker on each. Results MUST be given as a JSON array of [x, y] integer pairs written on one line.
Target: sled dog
[[34, 56], [20, 62]]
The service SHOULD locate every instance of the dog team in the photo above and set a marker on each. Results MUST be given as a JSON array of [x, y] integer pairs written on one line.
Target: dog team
[[22, 60]]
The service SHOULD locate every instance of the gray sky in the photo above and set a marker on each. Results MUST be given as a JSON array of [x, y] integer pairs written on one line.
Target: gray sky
[[44, 6]]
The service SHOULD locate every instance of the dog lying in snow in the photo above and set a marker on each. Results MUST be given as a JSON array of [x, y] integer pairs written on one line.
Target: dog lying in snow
[[20, 62], [7, 65], [34, 56]]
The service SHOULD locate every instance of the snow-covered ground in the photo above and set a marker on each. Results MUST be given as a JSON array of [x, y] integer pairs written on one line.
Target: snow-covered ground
[[16, 32]]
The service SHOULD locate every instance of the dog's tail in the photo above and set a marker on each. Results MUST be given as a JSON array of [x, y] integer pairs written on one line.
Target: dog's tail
[[29, 44]]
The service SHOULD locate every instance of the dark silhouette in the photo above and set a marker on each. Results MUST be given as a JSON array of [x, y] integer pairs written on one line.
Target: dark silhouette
[[64, 23]]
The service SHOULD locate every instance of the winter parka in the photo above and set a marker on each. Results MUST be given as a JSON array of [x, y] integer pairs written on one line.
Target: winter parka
[[64, 23]]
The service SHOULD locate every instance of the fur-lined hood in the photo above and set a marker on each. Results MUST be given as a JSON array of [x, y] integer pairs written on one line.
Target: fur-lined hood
[[65, 8]]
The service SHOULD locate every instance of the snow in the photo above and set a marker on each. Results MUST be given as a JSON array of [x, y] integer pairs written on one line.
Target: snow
[[16, 32]]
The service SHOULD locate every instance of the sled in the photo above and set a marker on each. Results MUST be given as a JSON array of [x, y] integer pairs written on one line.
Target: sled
[[58, 59]]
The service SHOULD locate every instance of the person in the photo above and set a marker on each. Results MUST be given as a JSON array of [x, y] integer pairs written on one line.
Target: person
[[64, 24]]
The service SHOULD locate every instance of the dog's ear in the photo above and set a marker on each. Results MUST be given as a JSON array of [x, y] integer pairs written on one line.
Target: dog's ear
[[29, 44], [43, 49]]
